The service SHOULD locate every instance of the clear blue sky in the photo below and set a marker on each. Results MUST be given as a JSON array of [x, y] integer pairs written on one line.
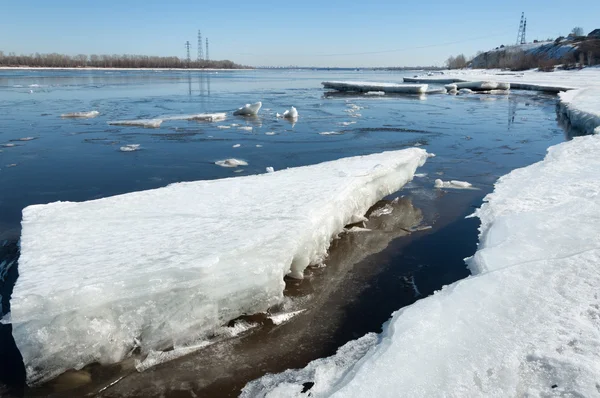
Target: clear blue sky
[[280, 33]]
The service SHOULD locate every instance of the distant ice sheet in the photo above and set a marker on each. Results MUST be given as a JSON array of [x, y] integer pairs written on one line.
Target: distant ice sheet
[[163, 268]]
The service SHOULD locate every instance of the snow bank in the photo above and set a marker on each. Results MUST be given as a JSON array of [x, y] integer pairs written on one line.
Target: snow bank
[[375, 86], [248, 109], [527, 322], [83, 115], [161, 269]]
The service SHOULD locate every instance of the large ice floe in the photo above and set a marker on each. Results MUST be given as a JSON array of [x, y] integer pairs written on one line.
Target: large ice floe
[[365, 87], [527, 323], [159, 270]]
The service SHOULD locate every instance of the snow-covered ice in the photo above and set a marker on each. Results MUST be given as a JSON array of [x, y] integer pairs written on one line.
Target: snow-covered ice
[[161, 269], [202, 117], [453, 184], [82, 115], [231, 163], [237, 145], [291, 113], [248, 109], [525, 324], [375, 86], [130, 148], [582, 108]]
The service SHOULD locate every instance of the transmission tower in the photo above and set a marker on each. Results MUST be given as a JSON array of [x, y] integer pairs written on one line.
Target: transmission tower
[[187, 46], [522, 30], [200, 48], [207, 58]]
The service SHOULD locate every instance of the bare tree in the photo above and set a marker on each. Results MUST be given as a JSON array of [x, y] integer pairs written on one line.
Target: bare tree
[[458, 62], [577, 31]]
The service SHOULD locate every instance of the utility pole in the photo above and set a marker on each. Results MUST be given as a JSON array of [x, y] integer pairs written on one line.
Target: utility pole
[[187, 46], [200, 48], [522, 30], [207, 58]]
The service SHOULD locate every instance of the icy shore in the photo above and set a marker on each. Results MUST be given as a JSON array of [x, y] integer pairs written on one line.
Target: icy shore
[[161, 269], [527, 322]]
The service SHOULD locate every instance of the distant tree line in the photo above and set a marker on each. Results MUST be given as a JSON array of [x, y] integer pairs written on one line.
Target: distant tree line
[[55, 60]]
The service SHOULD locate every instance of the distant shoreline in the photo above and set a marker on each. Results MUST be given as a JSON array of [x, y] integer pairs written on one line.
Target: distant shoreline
[[117, 69]]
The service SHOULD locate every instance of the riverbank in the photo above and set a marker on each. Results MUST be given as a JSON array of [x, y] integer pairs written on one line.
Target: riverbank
[[526, 322]]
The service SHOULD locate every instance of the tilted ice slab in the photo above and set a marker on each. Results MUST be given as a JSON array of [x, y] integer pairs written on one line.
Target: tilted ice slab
[[527, 322], [165, 267], [364, 87], [248, 109]]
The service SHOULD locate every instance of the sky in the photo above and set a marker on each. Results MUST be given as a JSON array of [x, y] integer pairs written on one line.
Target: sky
[[331, 33]]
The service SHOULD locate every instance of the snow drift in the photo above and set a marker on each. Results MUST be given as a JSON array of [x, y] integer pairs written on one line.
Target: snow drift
[[161, 269], [527, 322]]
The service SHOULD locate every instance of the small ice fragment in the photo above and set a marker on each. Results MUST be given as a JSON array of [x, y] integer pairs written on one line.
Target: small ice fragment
[[431, 155], [278, 319], [375, 93], [231, 163], [347, 123], [258, 146], [270, 133], [331, 133], [130, 148], [248, 109], [11, 165], [237, 145], [82, 115], [420, 175], [453, 184], [235, 125], [291, 113], [245, 128], [8, 145], [270, 169], [358, 229], [238, 170], [223, 127], [27, 138]]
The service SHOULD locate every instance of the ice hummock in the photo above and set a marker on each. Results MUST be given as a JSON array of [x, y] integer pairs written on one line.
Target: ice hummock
[[526, 323], [248, 109], [161, 269]]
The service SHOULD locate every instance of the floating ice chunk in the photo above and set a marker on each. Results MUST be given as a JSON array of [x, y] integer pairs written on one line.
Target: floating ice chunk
[[168, 266], [465, 91], [270, 133], [130, 148], [27, 138], [375, 93], [248, 109], [11, 165], [231, 163], [204, 117], [453, 184], [258, 146], [347, 123], [223, 127], [420, 175], [331, 133], [238, 170], [291, 113], [278, 319], [245, 128], [270, 169], [358, 229], [9, 145], [375, 86], [237, 145], [82, 115], [147, 123], [235, 125]]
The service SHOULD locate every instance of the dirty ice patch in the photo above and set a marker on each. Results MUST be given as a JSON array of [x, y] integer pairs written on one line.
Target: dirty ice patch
[[164, 268]]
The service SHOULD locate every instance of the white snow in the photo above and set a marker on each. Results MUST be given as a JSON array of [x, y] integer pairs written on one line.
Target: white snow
[[453, 184], [582, 107], [525, 324], [83, 115], [130, 148], [148, 123], [248, 109], [162, 268], [231, 163], [376, 86]]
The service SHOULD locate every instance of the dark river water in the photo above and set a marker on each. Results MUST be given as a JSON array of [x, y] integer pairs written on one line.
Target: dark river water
[[46, 158]]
